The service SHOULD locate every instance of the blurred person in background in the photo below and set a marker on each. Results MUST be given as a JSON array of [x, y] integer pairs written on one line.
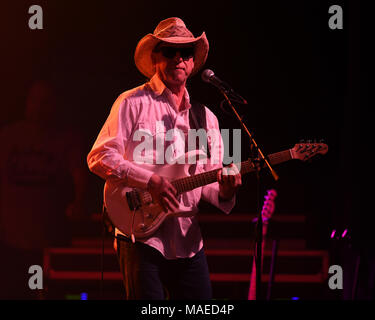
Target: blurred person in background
[[42, 188]]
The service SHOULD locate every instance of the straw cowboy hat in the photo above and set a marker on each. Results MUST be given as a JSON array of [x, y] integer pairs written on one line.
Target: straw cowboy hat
[[173, 31]]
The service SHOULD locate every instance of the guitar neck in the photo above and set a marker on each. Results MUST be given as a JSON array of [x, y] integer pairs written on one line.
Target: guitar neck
[[191, 182]]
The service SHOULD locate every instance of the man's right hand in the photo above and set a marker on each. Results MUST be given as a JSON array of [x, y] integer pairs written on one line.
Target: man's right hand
[[163, 192]]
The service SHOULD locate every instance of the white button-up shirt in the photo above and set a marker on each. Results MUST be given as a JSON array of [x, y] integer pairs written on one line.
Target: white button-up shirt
[[151, 109]]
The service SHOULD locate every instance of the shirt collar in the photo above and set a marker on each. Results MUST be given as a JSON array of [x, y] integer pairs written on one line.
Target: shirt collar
[[158, 87]]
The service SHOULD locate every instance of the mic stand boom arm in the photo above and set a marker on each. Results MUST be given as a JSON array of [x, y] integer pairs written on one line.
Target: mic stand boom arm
[[252, 141], [259, 228]]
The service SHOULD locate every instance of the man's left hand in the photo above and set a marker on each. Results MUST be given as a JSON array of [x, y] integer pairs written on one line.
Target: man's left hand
[[229, 179]]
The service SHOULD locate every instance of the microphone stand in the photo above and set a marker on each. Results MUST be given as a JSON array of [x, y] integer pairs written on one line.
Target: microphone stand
[[258, 163]]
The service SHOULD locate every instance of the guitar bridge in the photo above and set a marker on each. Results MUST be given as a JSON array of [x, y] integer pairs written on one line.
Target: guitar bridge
[[133, 199]]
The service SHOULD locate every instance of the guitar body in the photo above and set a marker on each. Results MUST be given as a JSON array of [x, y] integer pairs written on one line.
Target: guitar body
[[133, 212]]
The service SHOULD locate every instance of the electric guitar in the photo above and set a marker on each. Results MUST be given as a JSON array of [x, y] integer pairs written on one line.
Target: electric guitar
[[267, 212], [134, 212]]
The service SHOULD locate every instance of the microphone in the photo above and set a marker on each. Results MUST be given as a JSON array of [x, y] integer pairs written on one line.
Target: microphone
[[209, 76]]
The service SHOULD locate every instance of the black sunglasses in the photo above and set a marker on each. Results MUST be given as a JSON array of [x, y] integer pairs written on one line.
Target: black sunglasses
[[170, 52]]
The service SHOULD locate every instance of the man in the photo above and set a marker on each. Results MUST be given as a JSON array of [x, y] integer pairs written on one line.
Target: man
[[173, 257]]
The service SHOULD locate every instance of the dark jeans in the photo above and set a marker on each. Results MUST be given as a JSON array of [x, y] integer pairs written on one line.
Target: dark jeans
[[149, 276]]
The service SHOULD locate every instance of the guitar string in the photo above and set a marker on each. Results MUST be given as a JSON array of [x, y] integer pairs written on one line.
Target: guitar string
[[191, 182]]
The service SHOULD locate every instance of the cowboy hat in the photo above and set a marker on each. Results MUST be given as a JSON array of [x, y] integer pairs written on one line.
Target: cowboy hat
[[173, 31]]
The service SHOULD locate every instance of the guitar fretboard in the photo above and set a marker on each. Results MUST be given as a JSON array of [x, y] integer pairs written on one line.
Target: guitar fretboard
[[191, 182], [279, 157]]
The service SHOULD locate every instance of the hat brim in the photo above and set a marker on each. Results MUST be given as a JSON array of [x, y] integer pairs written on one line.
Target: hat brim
[[146, 45]]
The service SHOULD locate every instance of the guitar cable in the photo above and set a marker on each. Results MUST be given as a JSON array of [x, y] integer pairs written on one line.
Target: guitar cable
[[102, 254]]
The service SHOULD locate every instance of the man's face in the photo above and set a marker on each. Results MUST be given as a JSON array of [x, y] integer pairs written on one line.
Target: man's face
[[174, 63]]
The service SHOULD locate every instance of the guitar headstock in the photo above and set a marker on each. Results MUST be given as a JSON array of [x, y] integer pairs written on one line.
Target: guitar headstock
[[269, 205], [307, 150]]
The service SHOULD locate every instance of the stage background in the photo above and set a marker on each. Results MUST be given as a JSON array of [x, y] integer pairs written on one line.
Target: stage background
[[301, 79]]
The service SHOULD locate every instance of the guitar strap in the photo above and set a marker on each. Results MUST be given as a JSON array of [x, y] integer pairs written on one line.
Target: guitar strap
[[197, 120]]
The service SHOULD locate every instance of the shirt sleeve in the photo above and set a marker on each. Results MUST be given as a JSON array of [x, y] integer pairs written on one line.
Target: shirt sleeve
[[210, 193], [107, 157]]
